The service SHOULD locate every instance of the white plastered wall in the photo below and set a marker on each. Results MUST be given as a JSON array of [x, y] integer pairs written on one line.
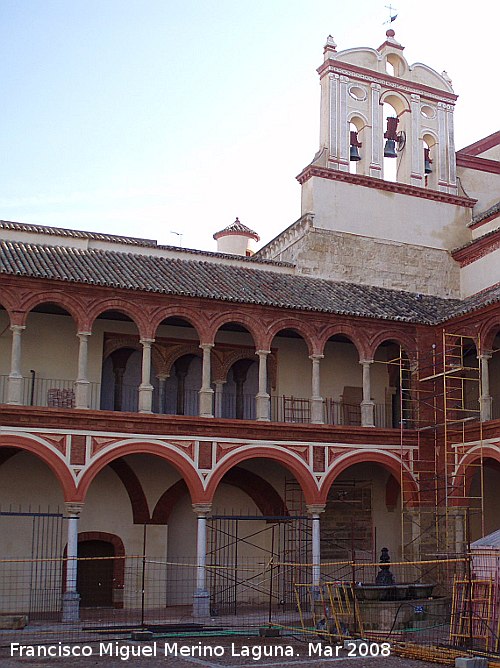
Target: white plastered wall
[[480, 274]]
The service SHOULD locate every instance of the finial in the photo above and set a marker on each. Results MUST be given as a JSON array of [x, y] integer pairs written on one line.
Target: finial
[[446, 76], [390, 32], [330, 47]]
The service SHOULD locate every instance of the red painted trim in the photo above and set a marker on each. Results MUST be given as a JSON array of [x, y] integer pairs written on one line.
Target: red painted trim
[[185, 469], [482, 222], [429, 92], [387, 462], [481, 145], [57, 466], [479, 164], [301, 473], [265, 497], [38, 417], [132, 484], [380, 184], [477, 249]]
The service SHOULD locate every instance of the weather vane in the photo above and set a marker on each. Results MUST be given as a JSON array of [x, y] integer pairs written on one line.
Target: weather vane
[[392, 15]]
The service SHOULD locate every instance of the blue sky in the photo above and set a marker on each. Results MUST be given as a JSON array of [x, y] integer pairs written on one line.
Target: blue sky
[[157, 116]]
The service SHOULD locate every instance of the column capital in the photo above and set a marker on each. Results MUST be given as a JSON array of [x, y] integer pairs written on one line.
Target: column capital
[[73, 508], [17, 328], [315, 508], [366, 361], [202, 508], [79, 334], [262, 352], [206, 346], [162, 376], [316, 357], [146, 342], [485, 355]]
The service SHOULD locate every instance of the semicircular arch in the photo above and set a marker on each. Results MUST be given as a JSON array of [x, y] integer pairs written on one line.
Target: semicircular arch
[[278, 454], [183, 466]]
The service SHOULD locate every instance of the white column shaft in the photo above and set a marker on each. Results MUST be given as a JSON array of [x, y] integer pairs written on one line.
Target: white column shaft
[[316, 550], [14, 390], [145, 388], [206, 393]]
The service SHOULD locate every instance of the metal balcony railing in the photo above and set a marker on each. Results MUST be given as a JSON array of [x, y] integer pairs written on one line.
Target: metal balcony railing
[[50, 392]]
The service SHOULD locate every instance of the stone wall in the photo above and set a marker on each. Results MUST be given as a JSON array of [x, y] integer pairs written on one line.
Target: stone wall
[[357, 259]]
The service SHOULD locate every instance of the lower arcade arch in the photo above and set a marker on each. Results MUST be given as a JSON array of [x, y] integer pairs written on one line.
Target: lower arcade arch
[[483, 517], [362, 514]]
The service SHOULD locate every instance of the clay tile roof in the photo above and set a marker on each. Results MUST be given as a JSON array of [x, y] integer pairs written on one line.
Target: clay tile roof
[[240, 284], [237, 228], [77, 234], [491, 212]]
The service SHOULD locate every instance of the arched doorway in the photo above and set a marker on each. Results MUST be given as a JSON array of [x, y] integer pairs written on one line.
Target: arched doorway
[[95, 573]]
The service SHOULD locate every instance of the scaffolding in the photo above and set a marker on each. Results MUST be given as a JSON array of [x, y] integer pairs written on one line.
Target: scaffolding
[[440, 396]]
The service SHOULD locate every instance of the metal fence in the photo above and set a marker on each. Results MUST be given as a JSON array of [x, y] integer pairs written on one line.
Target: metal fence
[[428, 609]]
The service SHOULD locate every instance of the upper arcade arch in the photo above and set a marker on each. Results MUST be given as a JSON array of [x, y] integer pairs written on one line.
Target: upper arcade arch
[[355, 336], [305, 332], [399, 338], [73, 306], [238, 318], [193, 317], [134, 312]]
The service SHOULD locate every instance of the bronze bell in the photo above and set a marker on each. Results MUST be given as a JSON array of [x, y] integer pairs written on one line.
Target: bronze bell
[[427, 161], [390, 149], [355, 144], [354, 154]]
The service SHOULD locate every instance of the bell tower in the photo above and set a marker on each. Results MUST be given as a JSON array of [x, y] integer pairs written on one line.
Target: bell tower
[[416, 131], [386, 165]]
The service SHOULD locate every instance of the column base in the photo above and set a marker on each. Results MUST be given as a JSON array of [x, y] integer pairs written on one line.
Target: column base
[[201, 603], [15, 390], [486, 403], [145, 398], [206, 403], [71, 607], [262, 407], [367, 414], [317, 410], [82, 393]]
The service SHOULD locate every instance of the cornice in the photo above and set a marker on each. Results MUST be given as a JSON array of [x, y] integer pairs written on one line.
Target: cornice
[[380, 184], [479, 164], [477, 249], [364, 74]]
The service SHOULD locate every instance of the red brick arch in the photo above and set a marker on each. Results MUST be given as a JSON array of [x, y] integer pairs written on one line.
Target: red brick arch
[[488, 332], [192, 316], [355, 336], [297, 325], [406, 342], [286, 459], [75, 307], [54, 462], [184, 468], [391, 463], [242, 318], [135, 312]]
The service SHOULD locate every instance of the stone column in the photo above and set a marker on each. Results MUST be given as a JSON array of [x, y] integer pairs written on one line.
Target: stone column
[[415, 145], [262, 398], [316, 398], [15, 386], [71, 598], [315, 510], [145, 388], [219, 391], [367, 405], [162, 378], [206, 393], [201, 599], [485, 400], [82, 385], [377, 133]]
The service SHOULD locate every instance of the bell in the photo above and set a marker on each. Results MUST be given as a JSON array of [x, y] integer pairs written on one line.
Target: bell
[[354, 154], [427, 161], [390, 149]]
